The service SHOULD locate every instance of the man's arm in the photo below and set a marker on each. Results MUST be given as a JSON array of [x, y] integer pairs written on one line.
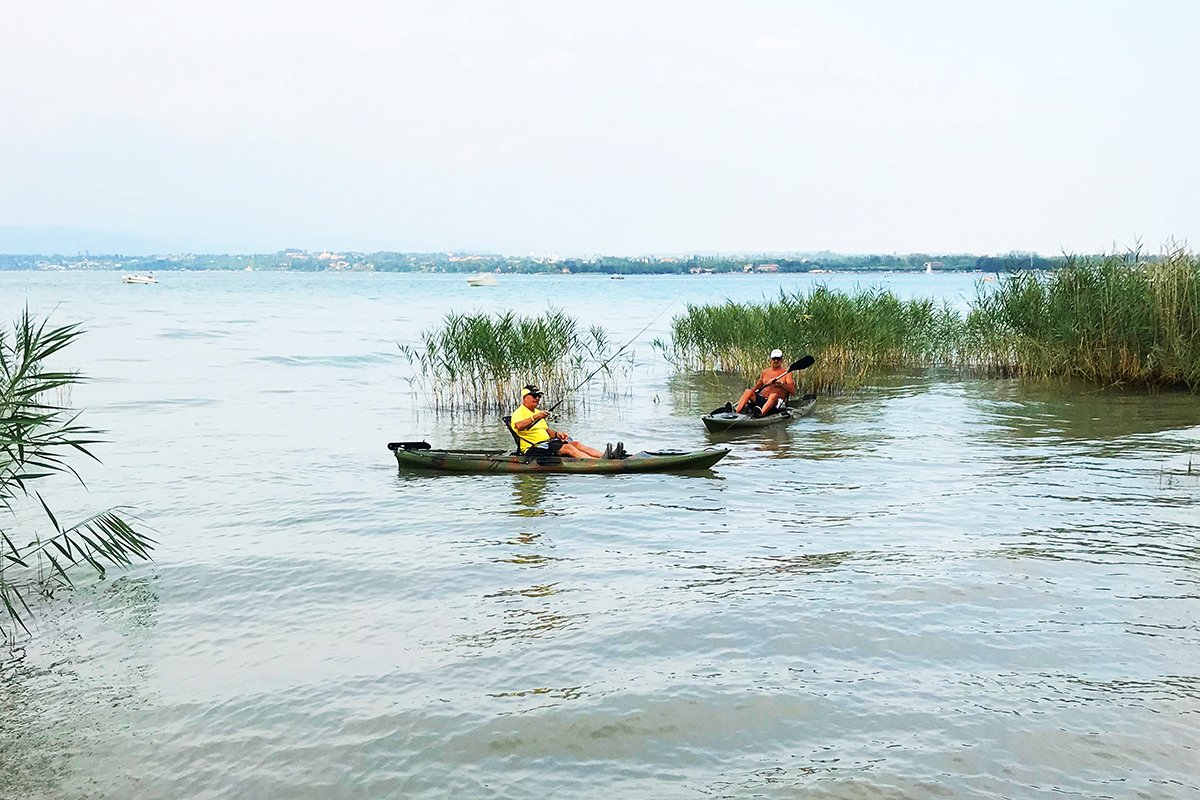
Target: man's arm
[[526, 423]]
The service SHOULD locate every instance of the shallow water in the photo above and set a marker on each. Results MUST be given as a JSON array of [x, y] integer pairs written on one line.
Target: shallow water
[[934, 587]]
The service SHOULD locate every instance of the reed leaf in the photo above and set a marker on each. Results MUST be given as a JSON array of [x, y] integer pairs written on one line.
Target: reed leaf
[[37, 438]]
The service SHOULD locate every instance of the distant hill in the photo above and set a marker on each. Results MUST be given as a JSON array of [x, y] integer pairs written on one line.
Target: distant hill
[[59, 240]]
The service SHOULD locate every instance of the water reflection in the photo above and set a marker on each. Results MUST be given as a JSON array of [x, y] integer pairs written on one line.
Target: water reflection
[[544, 590], [29, 767], [780, 441], [1187, 477], [750, 574], [54, 704], [524, 611], [1163, 544], [132, 603], [694, 394], [1168, 687], [526, 560], [1065, 413], [565, 693], [520, 624], [529, 494]]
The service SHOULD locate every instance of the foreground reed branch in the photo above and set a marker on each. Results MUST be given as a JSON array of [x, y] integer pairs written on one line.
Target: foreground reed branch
[[37, 439]]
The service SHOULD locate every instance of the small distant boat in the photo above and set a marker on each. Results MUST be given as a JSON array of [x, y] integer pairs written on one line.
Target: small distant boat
[[617, 277], [139, 279], [482, 279]]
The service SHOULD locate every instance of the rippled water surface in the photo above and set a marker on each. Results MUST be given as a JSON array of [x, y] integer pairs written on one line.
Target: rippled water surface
[[936, 587]]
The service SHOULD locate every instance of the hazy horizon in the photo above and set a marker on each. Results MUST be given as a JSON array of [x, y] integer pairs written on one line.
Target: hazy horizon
[[622, 129], [58, 234]]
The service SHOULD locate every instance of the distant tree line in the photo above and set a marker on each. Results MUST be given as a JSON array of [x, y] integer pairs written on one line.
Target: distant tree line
[[302, 261]]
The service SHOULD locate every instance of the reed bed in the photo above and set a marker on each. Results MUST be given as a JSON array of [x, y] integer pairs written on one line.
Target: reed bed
[[478, 363], [850, 334], [1113, 320], [1117, 320]]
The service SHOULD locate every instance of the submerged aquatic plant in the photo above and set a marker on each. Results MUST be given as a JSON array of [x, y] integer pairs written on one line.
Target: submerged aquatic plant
[[478, 363], [37, 436]]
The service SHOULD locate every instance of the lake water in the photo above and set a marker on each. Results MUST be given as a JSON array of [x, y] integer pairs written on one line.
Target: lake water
[[934, 587]]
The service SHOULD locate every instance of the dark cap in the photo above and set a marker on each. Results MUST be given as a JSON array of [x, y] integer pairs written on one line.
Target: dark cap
[[530, 389]]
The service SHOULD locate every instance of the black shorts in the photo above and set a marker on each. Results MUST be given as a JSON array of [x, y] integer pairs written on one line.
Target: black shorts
[[551, 446]]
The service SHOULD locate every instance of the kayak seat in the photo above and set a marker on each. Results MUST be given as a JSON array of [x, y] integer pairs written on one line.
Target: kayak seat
[[508, 427]]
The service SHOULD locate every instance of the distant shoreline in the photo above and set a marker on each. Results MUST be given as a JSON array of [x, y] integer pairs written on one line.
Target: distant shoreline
[[465, 264]]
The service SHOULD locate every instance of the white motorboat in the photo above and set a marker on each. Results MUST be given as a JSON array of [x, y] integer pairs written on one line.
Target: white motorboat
[[482, 279], [139, 279]]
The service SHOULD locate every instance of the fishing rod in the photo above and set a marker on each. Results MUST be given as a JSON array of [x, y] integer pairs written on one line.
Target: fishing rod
[[593, 373]]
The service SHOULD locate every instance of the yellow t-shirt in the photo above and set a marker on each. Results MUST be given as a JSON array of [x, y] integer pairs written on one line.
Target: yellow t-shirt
[[535, 434]]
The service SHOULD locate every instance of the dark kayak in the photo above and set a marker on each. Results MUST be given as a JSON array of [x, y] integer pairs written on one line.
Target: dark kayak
[[419, 455], [728, 421]]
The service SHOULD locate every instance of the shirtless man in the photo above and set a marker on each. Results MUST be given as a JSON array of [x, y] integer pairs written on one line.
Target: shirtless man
[[529, 423], [774, 387]]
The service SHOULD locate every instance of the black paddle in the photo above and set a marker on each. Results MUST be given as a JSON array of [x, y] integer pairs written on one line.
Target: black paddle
[[408, 445], [804, 362]]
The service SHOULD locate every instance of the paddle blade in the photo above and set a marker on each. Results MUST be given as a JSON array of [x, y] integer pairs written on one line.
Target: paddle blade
[[408, 445], [804, 363]]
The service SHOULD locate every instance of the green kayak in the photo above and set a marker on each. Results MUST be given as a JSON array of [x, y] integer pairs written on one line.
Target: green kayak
[[419, 455], [721, 421]]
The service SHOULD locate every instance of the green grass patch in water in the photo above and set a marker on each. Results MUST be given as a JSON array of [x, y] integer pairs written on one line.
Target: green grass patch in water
[[1114, 320], [477, 363]]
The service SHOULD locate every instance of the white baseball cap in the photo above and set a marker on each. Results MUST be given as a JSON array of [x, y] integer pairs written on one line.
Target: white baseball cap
[[776, 353]]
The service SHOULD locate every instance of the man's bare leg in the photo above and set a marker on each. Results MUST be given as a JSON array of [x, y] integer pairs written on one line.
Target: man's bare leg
[[579, 450]]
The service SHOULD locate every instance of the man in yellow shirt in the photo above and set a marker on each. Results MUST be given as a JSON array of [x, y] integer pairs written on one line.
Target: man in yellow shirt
[[536, 436]]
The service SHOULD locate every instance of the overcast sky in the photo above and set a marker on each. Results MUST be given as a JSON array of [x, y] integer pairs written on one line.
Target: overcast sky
[[605, 127]]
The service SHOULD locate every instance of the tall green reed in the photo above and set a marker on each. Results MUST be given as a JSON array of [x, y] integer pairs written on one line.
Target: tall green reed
[[478, 363], [851, 334], [1115, 320]]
